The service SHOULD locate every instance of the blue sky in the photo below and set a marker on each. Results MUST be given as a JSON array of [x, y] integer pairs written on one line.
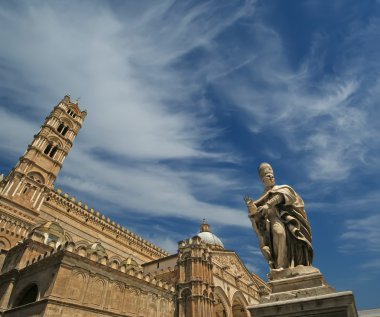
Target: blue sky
[[186, 98]]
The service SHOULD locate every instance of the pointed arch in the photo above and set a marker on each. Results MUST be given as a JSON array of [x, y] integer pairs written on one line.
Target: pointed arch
[[114, 262], [81, 243], [68, 237], [54, 144], [238, 295], [5, 244], [66, 122], [36, 176], [81, 247], [77, 282], [56, 141], [27, 295], [239, 305], [64, 126], [222, 303]]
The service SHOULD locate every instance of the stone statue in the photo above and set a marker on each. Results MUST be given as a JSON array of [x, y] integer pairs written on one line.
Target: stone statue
[[279, 219]]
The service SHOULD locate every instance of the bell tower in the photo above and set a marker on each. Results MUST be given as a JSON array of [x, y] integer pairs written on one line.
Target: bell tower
[[195, 279], [35, 172]]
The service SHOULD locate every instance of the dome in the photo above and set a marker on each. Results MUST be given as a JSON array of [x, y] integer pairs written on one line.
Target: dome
[[51, 230], [52, 227], [208, 237]]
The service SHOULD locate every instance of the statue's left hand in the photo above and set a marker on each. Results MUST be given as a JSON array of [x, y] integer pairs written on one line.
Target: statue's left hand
[[248, 200]]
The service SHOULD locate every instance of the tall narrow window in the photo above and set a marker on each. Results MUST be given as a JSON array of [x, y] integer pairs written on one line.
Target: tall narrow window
[[71, 113], [48, 148], [53, 151], [61, 127], [65, 131], [26, 189]]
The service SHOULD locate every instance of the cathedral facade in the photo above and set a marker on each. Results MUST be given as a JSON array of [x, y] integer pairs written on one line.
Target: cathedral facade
[[58, 257]]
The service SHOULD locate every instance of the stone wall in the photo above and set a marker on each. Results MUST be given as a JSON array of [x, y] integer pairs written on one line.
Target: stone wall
[[82, 223], [73, 285]]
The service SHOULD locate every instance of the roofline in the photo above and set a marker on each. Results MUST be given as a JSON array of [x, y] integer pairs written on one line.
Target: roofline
[[160, 259]]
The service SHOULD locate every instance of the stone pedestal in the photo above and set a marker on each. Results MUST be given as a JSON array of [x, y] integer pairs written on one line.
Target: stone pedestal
[[302, 291]]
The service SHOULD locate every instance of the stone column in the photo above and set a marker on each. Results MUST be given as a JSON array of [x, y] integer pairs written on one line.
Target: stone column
[[8, 288]]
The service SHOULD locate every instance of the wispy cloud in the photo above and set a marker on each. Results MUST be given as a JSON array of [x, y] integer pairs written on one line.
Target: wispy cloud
[[323, 116], [185, 97], [254, 260], [154, 189], [141, 117], [11, 143], [362, 234]]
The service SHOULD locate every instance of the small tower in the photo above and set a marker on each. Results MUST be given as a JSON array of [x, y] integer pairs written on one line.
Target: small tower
[[195, 279], [37, 169]]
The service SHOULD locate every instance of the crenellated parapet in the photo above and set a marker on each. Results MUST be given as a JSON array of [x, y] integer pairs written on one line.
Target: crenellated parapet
[[100, 258], [101, 223], [66, 277]]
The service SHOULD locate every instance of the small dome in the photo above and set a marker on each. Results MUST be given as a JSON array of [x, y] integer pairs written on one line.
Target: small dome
[[51, 230], [208, 237], [51, 227]]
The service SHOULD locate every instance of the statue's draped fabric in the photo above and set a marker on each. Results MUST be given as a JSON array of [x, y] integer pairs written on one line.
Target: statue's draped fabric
[[292, 214]]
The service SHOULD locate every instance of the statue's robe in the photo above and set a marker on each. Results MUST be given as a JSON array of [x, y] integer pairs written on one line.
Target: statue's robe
[[292, 214]]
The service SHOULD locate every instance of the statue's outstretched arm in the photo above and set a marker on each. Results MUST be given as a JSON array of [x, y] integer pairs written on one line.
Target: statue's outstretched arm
[[268, 210], [276, 200]]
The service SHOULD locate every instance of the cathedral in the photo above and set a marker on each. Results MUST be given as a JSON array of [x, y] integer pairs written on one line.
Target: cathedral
[[58, 257]]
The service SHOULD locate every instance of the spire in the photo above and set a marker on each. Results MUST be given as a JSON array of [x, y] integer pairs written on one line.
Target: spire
[[204, 227]]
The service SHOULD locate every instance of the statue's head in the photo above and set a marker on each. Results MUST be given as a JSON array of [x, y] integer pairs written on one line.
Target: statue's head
[[266, 174]]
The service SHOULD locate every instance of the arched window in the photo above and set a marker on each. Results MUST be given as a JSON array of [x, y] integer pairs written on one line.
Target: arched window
[[239, 304], [26, 189], [28, 295], [51, 150], [62, 129], [71, 113], [65, 131], [37, 177], [48, 148]]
